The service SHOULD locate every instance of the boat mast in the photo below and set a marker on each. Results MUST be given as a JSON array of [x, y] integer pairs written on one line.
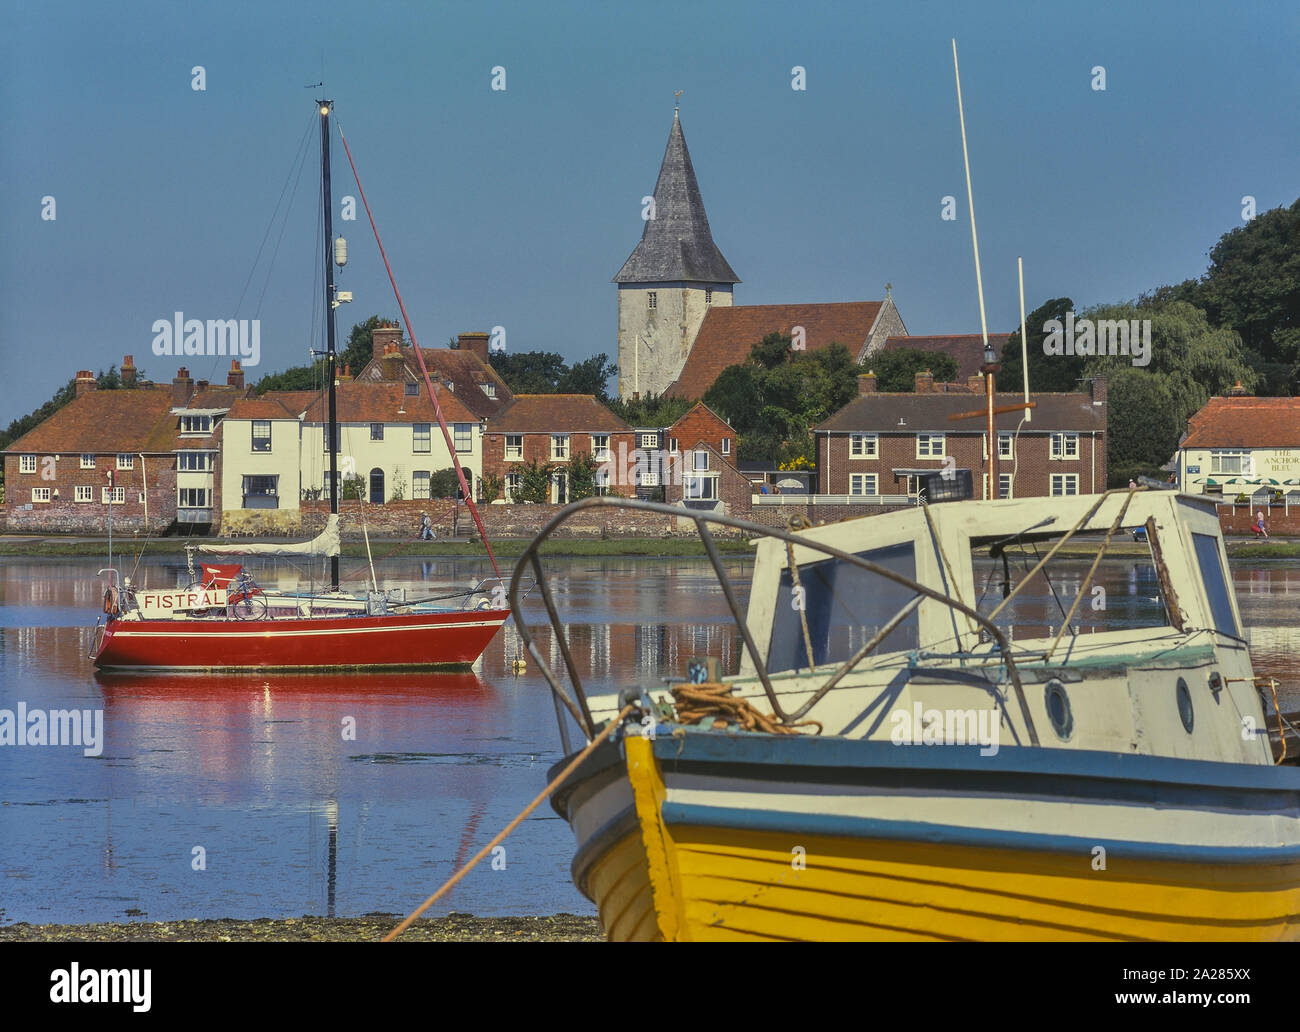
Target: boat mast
[[331, 441]]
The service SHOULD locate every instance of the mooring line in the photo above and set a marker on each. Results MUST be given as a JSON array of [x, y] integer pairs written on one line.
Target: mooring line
[[609, 728]]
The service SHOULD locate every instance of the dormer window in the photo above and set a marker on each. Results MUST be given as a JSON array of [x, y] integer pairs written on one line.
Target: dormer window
[[489, 389], [196, 425], [412, 389]]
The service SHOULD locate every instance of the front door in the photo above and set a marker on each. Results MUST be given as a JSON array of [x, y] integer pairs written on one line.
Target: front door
[[376, 486], [559, 488]]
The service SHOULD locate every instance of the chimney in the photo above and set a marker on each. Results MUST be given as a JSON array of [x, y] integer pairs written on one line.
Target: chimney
[[392, 363], [128, 371], [1097, 387], [975, 383], [202, 385], [235, 378], [182, 388], [866, 383], [1236, 392], [85, 382], [346, 375], [382, 337], [475, 342], [924, 382]]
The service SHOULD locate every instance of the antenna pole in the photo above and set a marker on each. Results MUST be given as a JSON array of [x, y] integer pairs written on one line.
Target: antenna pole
[[331, 440], [970, 199], [1024, 344]]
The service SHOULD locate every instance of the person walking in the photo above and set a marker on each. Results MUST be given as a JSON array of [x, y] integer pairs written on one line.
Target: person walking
[[1259, 524], [426, 528]]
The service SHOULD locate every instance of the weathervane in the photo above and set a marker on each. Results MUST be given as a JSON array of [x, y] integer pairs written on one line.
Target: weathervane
[[676, 94]]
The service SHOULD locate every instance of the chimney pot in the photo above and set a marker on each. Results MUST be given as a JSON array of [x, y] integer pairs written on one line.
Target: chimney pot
[[867, 383], [924, 382], [85, 382]]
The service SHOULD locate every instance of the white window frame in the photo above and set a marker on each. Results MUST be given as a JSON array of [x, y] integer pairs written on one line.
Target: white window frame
[[1065, 445], [26, 463], [204, 494], [559, 447], [864, 446], [83, 493], [418, 477], [424, 436], [1218, 455], [726, 446], [1006, 445], [87, 460], [699, 461], [648, 441], [926, 446], [600, 447], [672, 446], [490, 389], [196, 426], [125, 461], [697, 488], [1064, 481], [514, 452], [1006, 486], [863, 481], [514, 481], [117, 496], [462, 437], [602, 482], [40, 494]]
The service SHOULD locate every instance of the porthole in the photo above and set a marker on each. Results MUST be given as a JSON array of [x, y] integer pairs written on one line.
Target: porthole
[[1058, 709], [1185, 705]]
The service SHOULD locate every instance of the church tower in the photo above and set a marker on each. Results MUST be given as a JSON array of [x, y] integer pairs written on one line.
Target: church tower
[[670, 281]]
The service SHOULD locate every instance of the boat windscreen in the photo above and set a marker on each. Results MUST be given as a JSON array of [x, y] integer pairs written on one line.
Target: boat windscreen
[[845, 607]]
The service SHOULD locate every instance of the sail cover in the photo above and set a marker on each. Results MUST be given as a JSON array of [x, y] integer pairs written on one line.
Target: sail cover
[[324, 543]]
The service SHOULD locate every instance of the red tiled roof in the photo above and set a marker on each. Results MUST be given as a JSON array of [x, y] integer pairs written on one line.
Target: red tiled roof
[[459, 365], [380, 402], [966, 348], [1245, 422], [729, 332], [106, 422], [929, 413], [556, 413], [215, 397], [693, 409], [272, 405]]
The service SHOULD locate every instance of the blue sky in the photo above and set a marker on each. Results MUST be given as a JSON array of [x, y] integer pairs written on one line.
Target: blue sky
[[516, 208]]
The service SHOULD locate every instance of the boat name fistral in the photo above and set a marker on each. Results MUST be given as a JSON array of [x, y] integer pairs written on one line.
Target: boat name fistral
[[169, 601], [102, 985], [236, 337], [947, 727], [56, 727], [1105, 337]]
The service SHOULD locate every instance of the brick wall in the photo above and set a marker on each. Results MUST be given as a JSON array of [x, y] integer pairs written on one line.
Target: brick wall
[[65, 515], [1278, 521], [537, 448], [701, 424]]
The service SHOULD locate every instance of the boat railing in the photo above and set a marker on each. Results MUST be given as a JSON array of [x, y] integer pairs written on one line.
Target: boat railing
[[577, 704]]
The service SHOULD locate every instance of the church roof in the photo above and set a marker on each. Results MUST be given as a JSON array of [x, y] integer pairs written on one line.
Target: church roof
[[677, 244], [728, 334]]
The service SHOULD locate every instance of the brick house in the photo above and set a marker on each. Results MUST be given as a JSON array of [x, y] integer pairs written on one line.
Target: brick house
[[709, 480], [550, 429], [877, 446], [463, 371]]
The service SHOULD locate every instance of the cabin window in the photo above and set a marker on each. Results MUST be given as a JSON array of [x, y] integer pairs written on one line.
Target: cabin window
[[845, 606], [1216, 584]]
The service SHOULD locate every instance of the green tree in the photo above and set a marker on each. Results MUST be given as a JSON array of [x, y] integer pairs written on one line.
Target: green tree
[[896, 368], [530, 372], [1050, 373], [656, 410], [534, 482], [444, 483], [590, 376], [492, 485], [582, 476], [355, 353]]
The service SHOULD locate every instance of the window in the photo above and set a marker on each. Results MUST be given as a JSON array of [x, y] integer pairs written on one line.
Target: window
[[929, 446], [412, 389], [700, 489], [1065, 446], [192, 498], [867, 446], [559, 446], [463, 436], [862, 483], [88, 462], [1216, 584], [514, 481], [672, 446], [83, 493], [700, 460], [514, 447], [1004, 485], [194, 462], [648, 478], [1005, 442], [421, 441], [600, 447], [376, 431], [726, 446], [420, 484], [602, 482], [40, 494], [1229, 461], [652, 300], [113, 495], [125, 461], [140, 498], [262, 492], [708, 297], [196, 425], [338, 436], [27, 464], [489, 389], [650, 441], [1065, 483]]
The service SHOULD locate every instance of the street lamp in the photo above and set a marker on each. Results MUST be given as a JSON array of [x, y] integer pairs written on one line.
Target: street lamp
[[989, 369]]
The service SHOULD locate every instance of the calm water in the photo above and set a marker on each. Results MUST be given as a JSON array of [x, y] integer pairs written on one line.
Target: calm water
[[253, 780]]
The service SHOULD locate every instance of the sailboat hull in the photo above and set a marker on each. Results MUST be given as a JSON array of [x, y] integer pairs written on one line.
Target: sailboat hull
[[337, 642]]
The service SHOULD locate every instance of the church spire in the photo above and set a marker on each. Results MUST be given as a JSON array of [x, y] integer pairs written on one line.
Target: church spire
[[677, 244]]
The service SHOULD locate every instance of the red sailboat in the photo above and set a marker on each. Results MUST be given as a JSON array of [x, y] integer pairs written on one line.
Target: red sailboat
[[224, 621]]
